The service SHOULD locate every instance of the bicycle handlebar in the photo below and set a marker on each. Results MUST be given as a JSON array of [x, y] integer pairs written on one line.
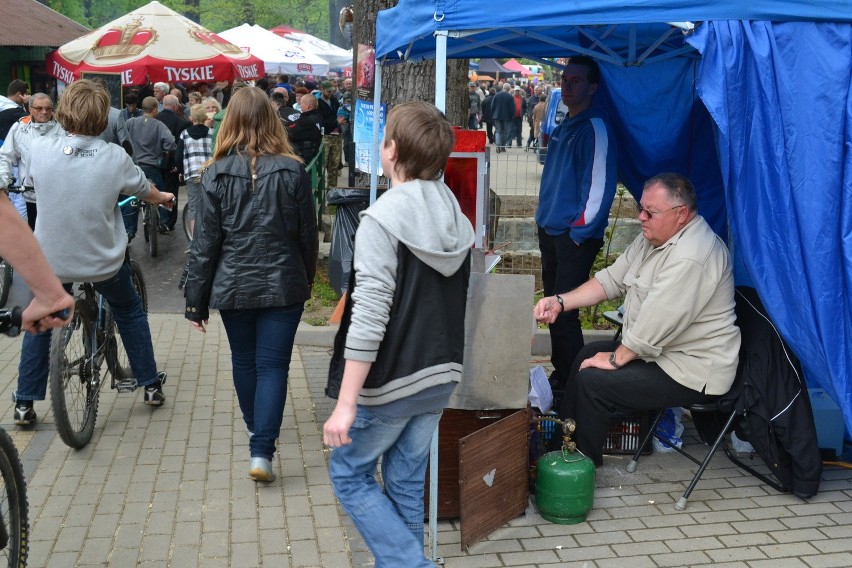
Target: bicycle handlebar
[[135, 201], [11, 320]]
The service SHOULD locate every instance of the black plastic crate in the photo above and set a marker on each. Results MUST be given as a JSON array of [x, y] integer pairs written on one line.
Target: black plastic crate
[[626, 432]]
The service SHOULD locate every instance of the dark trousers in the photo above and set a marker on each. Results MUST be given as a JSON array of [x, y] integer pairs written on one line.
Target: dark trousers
[[172, 181], [564, 266], [32, 210], [592, 396], [489, 130], [519, 128]]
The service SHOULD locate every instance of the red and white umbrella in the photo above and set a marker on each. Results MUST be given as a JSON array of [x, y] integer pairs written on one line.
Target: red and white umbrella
[[157, 44]]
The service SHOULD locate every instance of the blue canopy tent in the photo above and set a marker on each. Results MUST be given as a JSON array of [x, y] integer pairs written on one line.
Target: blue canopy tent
[[753, 104]]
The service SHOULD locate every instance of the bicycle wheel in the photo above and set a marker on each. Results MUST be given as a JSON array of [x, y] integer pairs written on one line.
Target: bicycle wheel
[[117, 361], [152, 229], [185, 220], [15, 528], [74, 384], [5, 280]]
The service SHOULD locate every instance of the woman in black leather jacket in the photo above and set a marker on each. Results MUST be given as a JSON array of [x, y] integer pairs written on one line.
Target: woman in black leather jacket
[[253, 258]]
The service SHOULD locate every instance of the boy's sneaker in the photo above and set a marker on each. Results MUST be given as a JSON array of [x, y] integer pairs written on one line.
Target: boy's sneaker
[[154, 392], [24, 413]]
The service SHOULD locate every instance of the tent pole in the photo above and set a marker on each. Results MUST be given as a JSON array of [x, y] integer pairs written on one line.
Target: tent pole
[[377, 113], [441, 103], [441, 70]]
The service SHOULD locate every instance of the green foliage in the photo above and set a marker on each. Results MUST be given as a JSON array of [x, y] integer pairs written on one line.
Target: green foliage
[[310, 16], [592, 317]]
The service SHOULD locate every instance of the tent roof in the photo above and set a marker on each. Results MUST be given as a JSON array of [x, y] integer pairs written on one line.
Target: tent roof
[[549, 29], [32, 24], [491, 65]]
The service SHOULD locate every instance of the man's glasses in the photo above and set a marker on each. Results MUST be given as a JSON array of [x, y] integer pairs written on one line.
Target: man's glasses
[[652, 214], [43, 109]]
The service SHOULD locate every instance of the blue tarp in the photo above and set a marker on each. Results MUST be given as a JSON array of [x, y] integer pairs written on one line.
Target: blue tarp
[[779, 97]]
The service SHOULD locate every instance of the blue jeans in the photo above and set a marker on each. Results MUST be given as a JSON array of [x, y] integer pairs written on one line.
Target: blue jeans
[[505, 131], [132, 322], [261, 343], [389, 520]]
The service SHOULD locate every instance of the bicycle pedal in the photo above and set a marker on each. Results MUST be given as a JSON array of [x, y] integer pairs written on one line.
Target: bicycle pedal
[[126, 385]]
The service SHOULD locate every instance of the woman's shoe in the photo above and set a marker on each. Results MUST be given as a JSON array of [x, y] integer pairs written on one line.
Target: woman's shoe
[[261, 470]]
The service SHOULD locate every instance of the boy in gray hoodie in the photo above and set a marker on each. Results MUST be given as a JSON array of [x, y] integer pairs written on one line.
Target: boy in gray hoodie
[[402, 337], [78, 178]]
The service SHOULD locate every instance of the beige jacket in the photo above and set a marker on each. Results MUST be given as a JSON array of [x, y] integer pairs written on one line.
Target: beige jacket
[[679, 306]]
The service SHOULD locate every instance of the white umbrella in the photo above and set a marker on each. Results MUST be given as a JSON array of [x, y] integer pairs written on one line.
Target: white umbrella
[[279, 54], [337, 57]]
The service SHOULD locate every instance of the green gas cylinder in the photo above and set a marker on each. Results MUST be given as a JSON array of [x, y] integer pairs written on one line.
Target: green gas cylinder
[[565, 486]]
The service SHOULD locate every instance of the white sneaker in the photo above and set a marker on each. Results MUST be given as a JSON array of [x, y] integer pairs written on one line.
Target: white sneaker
[[260, 469]]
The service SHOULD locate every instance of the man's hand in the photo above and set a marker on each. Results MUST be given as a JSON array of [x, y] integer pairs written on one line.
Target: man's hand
[[199, 325], [38, 316], [598, 361], [335, 431], [166, 199], [547, 310]]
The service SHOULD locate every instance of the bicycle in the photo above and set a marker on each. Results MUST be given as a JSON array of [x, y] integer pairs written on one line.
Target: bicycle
[[77, 353], [6, 273], [150, 225], [185, 220], [14, 510]]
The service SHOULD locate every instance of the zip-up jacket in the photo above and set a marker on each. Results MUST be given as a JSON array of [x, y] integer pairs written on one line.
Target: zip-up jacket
[[579, 178], [255, 240], [16, 149], [406, 304]]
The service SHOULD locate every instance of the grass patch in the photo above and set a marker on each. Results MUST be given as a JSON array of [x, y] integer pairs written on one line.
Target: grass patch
[[323, 298]]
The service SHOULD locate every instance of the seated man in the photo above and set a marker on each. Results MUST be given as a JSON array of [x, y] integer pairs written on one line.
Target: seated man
[[679, 344]]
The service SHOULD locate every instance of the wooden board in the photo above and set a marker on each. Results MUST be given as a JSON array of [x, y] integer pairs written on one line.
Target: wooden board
[[493, 476], [455, 425]]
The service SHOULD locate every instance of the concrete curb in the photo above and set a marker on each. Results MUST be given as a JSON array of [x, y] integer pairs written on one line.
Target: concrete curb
[[323, 336]]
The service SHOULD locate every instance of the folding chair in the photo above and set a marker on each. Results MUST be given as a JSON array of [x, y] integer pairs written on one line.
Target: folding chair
[[734, 404]]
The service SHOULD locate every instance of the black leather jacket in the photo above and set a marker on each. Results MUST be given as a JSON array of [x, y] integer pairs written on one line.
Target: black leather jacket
[[255, 243]]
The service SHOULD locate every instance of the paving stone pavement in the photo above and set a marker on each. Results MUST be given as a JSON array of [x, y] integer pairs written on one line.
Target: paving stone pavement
[[169, 487]]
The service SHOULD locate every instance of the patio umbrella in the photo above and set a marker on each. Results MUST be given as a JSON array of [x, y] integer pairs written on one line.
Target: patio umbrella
[[337, 57], [279, 54], [516, 67], [157, 44]]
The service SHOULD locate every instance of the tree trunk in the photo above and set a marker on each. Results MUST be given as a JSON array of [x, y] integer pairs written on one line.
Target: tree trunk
[[412, 81]]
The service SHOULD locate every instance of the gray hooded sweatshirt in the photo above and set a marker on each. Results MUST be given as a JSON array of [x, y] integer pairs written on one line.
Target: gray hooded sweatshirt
[[424, 216]]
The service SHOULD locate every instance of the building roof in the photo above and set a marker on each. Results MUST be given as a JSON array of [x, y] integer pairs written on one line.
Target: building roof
[[31, 24]]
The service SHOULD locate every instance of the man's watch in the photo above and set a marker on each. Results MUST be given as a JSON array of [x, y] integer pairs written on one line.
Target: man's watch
[[561, 303], [613, 362]]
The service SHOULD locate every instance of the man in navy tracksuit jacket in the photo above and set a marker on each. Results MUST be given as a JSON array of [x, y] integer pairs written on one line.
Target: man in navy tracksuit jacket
[[577, 188]]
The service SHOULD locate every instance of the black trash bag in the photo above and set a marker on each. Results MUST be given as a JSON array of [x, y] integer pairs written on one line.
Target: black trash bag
[[350, 202]]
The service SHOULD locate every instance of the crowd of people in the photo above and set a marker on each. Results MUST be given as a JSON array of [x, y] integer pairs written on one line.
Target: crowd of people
[[503, 107]]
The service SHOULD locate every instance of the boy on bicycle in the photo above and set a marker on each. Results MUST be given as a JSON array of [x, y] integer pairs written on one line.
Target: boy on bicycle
[[78, 179]]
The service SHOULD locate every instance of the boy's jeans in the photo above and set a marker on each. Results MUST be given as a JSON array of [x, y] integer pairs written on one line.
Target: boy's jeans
[[133, 328], [390, 521]]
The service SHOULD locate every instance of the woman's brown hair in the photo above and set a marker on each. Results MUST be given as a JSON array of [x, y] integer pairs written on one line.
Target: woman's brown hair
[[251, 127]]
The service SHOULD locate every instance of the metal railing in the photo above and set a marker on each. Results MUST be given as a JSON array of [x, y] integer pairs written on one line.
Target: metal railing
[[316, 169]]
